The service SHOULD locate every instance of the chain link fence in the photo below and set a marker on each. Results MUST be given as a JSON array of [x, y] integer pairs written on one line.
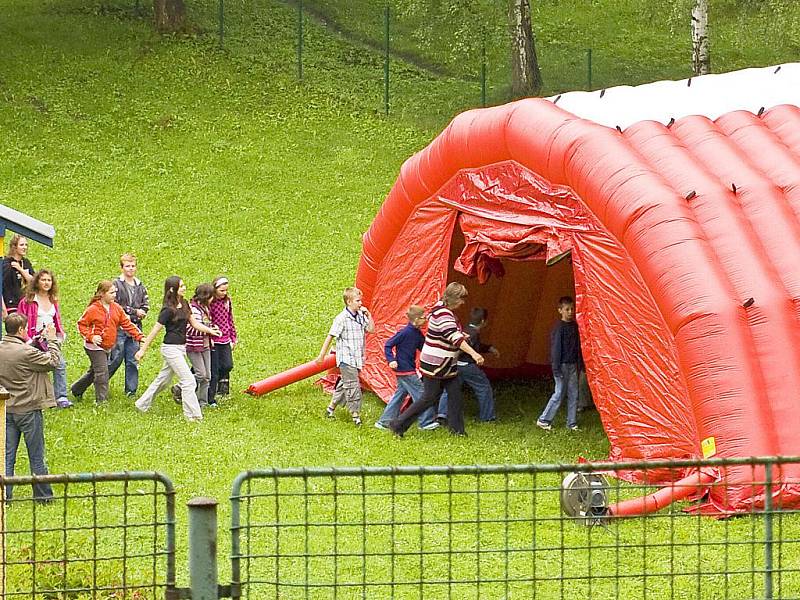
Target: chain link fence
[[528, 531], [101, 536]]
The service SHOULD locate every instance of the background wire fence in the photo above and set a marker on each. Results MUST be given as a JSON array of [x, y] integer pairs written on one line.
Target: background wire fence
[[102, 536], [445, 57], [496, 532]]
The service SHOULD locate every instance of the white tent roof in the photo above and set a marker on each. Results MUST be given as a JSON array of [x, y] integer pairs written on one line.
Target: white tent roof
[[710, 95]]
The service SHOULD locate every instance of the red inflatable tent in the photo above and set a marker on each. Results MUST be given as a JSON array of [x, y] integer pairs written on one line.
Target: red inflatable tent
[[672, 210]]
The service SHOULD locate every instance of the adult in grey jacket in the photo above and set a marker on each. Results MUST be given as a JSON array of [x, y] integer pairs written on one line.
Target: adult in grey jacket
[[24, 373]]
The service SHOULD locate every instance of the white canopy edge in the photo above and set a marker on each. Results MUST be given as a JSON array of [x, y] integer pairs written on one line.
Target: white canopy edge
[[709, 95], [29, 226]]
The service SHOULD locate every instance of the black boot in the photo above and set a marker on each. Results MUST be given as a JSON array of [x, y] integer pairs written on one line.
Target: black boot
[[224, 387]]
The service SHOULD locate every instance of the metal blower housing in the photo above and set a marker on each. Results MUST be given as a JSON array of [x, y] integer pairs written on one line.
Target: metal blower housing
[[584, 497]]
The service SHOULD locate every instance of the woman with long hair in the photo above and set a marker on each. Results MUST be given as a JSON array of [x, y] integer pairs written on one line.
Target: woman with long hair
[[174, 316], [17, 272], [40, 305], [98, 327]]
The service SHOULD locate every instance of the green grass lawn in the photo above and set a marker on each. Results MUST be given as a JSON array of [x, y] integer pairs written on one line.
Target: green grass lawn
[[203, 162]]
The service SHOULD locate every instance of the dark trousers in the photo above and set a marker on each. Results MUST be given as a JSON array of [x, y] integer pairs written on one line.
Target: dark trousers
[[431, 390], [29, 425], [97, 374], [221, 366]]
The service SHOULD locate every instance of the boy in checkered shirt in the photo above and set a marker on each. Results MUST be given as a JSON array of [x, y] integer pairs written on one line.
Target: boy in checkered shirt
[[348, 329]]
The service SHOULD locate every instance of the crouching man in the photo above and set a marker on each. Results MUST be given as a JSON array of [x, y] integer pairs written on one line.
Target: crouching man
[[24, 372]]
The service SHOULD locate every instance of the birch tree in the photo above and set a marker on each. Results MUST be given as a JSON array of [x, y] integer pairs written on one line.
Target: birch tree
[[526, 78], [701, 59]]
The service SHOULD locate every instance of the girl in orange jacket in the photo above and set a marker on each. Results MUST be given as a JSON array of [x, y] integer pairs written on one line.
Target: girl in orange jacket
[[98, 328]]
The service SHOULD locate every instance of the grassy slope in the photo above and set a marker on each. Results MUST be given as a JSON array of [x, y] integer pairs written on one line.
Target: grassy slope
[[204, 162]]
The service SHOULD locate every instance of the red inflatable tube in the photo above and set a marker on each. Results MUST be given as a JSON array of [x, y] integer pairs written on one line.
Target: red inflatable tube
[[663, 497], [292, 375]]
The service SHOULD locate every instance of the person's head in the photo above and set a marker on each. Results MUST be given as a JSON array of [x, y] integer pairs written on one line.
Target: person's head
[[17, 325], [18, 246], [127, 264], [455, 294], [478, 316], [203, 294], [106, 292], [44, 283], [352, 297], [220, 285], [416, 315], [566, 308], [174, 290]]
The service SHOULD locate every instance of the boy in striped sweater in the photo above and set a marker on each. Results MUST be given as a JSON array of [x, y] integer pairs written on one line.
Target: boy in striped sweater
[[438, 360]]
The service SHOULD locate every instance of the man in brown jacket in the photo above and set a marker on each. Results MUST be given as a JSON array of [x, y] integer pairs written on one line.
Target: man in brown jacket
[[24, 372]]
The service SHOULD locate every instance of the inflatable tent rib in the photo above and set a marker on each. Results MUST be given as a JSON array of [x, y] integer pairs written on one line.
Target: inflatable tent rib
[[672, 210]]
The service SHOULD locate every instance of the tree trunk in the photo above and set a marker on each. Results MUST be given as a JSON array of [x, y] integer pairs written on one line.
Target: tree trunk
[[701, 59], [170, 15], [526, 79]]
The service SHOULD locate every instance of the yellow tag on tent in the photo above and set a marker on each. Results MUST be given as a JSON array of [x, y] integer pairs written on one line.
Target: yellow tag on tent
[[709, 447]]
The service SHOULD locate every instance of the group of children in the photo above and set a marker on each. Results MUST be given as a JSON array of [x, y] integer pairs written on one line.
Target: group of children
[[447, 357], [111, 326], [202, 329]]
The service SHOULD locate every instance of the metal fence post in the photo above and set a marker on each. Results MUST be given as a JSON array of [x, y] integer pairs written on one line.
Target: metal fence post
[[589, 67], [300, 40], [768, 533], [483, 67], [386, 60], [221, 23], [203, 549]]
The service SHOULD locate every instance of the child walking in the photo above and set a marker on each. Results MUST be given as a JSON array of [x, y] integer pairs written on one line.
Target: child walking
[[221, 310], [471, 374], [348, 329], [401, 354], [438, 362], [173, 318], [198, 344], [40, 305], [98, 328], [567, 362], [132, 297]]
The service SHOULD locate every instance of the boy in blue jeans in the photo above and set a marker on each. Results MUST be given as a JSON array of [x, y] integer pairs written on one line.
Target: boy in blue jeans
[[567, 362], [470, 373], [401, 353]]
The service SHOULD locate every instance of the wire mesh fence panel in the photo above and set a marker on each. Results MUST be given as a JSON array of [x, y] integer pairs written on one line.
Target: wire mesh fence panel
[[512, 532], [99, 536]]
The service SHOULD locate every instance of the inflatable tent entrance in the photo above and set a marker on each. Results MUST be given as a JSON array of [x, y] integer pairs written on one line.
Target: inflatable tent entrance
[[678, 204]]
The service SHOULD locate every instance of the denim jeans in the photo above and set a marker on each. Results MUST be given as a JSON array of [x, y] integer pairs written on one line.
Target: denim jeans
[[567, 382], [472, 375], [124, 350], [29, 425], [476, 379], [201, 365], [407, 385], [60, 380]]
